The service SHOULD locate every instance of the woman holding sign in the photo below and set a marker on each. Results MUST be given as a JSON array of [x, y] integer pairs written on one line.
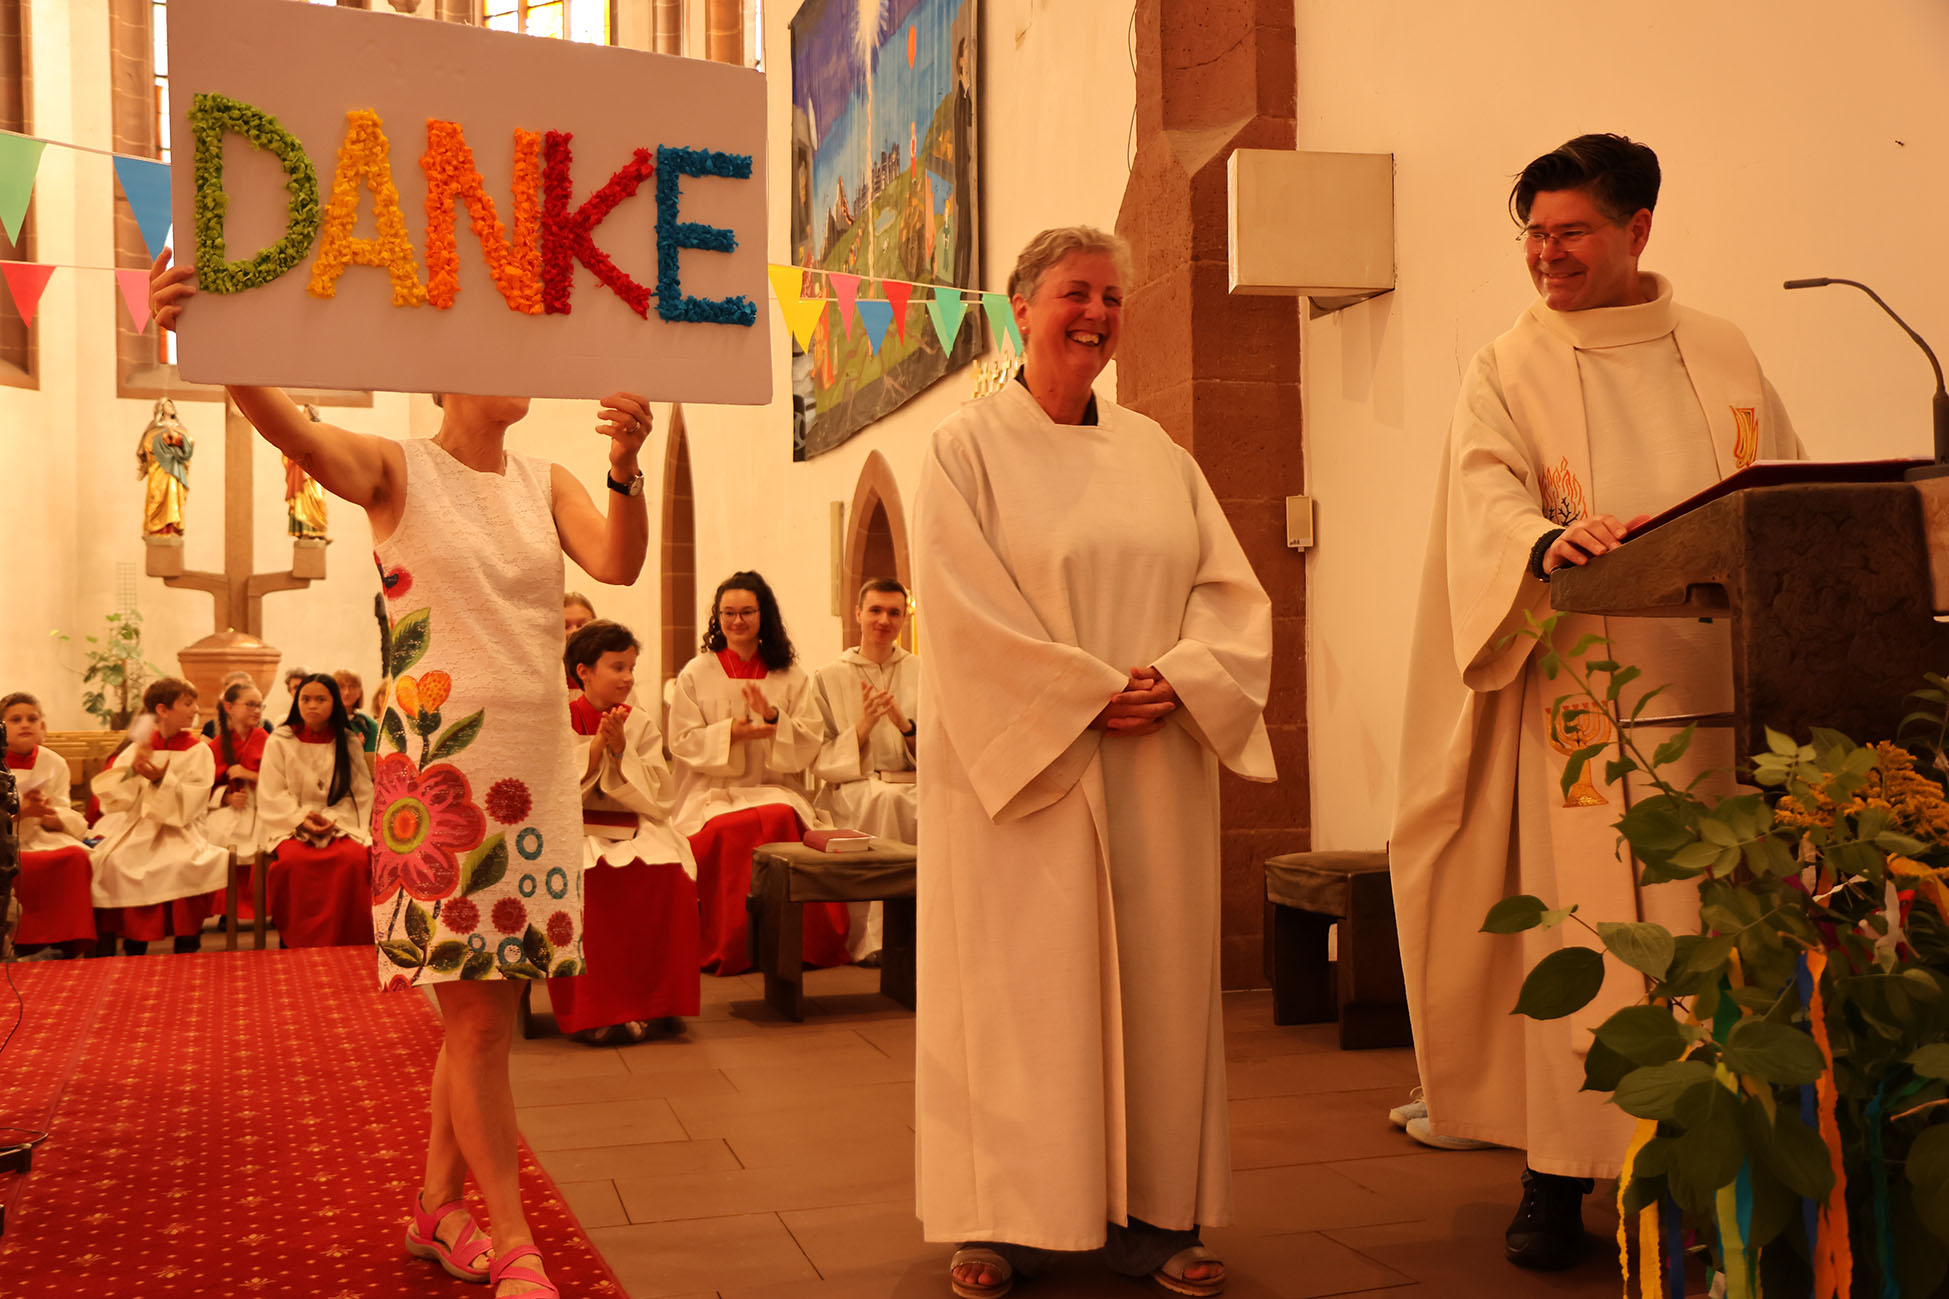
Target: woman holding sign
[[476, 824]]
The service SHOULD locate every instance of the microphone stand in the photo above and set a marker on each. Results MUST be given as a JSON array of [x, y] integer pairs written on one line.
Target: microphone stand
[[1941, 402]]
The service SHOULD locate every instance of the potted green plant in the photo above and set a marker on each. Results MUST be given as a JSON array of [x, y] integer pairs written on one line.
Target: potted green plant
[[115, 671], [1788, 1061]]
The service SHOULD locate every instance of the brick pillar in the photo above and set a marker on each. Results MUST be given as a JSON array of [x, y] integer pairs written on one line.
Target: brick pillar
[[1221, 373]]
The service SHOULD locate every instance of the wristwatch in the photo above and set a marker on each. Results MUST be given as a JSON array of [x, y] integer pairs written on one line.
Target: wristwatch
[[912, 726], [634, 487]]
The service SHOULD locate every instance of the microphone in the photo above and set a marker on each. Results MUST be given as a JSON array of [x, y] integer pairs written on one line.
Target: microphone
[[1941, 404]]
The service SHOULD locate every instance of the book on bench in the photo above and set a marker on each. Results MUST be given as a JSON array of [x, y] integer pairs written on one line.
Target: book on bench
[[837, 840]]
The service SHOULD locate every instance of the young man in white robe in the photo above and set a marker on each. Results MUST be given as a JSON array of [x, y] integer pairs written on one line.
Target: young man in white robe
[[56, 875], [154, 869], [1098, 648], [640, 921], [1605, 403], [868, 697]]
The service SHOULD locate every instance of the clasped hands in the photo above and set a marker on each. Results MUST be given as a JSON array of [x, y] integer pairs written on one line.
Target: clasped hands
[[1593, 535], [35, 807], [743, 728], [1140, 707], [876, 703]]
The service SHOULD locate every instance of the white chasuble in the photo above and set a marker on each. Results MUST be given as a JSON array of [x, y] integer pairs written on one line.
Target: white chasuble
[[628, 799], [1620, 411], [154, 849], [1071, 1055], [854, 790], [718, 774]]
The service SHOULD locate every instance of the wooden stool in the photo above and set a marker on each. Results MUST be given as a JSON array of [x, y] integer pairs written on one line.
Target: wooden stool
[[786, 876], [1310, 892]]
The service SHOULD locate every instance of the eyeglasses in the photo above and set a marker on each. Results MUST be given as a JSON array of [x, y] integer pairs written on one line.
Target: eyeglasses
[[736, 615], [1568, 238]]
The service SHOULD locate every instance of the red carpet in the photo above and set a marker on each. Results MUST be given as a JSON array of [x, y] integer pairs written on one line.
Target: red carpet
[[231, 1124]]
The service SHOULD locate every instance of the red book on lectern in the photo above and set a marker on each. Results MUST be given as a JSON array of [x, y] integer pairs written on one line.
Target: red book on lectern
[[837, 840], [1778, 473]]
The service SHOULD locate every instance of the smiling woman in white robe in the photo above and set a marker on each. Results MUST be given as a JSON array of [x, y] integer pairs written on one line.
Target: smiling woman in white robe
[[1098, 647]]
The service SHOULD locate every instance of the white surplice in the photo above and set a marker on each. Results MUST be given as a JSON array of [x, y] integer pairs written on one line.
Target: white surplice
[[717, 774], [296, 780], [1071, 1061], [1620, 411], [636, 782], [854, 790], [154, 849], [52, 779]]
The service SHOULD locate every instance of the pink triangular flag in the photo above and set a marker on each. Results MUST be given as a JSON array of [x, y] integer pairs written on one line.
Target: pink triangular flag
[[846, 289], [898, 291], [135, 292], [26, 281]]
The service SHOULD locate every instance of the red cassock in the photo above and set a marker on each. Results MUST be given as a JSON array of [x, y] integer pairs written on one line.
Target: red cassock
[[53, 889], [723, 848], [321, 897]]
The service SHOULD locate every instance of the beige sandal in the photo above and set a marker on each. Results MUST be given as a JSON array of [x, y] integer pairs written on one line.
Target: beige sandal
[[987, 1258], [1172, 1274]]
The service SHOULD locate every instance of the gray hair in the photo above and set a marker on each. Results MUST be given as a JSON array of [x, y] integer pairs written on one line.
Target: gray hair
[[1052, 245]]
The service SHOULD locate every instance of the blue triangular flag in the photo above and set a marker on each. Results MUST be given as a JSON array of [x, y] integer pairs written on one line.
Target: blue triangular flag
[[876, 314], [1002, 321], [146, 185], [946, 309]]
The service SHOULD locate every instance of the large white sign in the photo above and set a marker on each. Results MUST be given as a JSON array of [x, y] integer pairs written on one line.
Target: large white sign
[[381, 202]]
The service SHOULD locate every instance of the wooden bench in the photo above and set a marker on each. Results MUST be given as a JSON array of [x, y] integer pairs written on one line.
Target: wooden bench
[[1310, 892], [786, 876]]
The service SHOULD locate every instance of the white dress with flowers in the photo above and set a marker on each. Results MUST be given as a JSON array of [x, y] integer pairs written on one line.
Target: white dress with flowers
[[477, 811]]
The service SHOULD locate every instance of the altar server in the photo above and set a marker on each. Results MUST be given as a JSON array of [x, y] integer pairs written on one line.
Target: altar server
[[314, 809], [640, 933], [156, 871], [55, 872]]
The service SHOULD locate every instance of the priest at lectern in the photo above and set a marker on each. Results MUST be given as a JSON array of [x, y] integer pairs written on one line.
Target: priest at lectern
[[1603, 404]]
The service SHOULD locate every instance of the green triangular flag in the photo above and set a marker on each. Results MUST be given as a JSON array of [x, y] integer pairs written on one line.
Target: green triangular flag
[[1002, 321], [945, 309], [20, 158]]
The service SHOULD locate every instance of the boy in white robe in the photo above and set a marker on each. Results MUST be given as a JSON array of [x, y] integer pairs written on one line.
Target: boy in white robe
[[640, 921], [154, 864], [55, 871], [868, 697], [1605, 402]]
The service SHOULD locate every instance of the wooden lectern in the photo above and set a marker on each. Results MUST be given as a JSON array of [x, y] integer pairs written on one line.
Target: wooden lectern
[[1828, 585]]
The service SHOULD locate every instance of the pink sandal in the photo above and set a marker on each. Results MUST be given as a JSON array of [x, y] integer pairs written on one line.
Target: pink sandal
[[466, 1258], [504, 1269]]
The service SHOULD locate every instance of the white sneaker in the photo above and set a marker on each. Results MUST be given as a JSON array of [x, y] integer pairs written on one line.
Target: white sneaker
[[1419, 1129], [1416, 1108]]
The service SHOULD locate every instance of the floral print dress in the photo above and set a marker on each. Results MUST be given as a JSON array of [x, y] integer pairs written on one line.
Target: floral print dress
[[477, 811]]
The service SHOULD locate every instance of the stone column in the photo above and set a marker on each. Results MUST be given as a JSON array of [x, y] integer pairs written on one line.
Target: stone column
[[1221, 373]]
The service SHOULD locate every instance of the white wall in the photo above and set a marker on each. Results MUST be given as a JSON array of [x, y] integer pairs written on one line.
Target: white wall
[[1797, 139], [1056, 119]]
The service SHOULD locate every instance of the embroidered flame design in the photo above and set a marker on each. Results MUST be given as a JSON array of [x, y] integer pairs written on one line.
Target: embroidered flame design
[[1563, 495], [1746, 436]]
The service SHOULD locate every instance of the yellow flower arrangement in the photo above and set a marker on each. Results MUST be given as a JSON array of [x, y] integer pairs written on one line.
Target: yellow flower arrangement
[[1914, 803]]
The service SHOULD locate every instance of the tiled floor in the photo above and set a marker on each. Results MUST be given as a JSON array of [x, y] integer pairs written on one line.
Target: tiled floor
[[759, 1159]]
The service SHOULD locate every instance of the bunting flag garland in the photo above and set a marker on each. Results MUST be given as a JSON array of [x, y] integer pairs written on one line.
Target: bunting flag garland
[[145, 183], [846, 289], [26, 281], [898, 291], [20, 158], [1002, 322], [947, 310], [801, 313], [135, 293], [875, 315]]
